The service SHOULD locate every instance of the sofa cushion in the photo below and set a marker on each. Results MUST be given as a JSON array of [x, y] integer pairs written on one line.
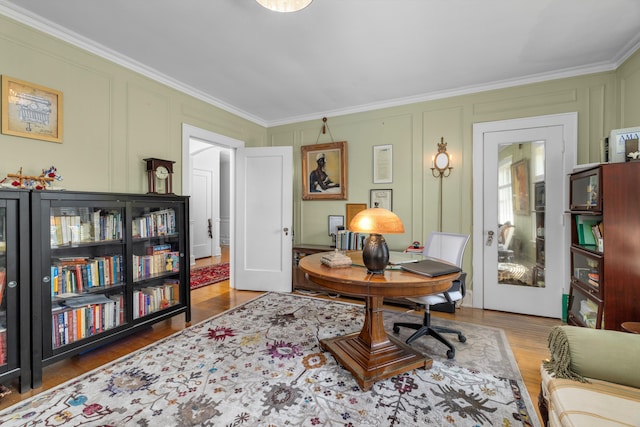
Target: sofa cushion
[[594, 353], [596, 403]]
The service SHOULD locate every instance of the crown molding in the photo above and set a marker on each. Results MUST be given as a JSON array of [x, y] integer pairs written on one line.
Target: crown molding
[[39, 23]]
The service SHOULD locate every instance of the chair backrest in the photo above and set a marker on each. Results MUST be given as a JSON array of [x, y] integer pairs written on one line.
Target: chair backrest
[[448, 247], [506, 231]]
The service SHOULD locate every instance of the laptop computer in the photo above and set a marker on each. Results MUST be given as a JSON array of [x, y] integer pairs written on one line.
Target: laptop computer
[[431, 267]]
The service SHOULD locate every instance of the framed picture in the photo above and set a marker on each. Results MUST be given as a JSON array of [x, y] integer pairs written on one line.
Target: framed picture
[[31, 111], [383, 164], [520, 186], [324, 171], [382, 197], [335, 222], [353, 209], [622, 142]]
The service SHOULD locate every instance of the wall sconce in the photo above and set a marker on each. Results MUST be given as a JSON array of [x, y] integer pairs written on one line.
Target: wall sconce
[[441, 167], [442, 162]]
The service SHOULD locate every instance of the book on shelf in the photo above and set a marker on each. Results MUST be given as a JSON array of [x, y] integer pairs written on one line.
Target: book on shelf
[[157, 223], [586, 227], [3, 280]]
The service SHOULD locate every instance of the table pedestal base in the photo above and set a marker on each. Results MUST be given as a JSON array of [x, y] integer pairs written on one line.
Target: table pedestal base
[[368, 363]]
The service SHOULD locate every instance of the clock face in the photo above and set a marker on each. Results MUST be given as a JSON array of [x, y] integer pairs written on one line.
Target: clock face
[[441, 161], [162, 172]]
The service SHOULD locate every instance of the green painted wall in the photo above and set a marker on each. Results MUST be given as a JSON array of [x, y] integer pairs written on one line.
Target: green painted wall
[[112, 117], [604, 101]]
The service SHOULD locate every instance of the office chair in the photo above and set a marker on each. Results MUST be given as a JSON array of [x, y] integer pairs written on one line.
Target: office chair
[[448, 247], [505, 234]]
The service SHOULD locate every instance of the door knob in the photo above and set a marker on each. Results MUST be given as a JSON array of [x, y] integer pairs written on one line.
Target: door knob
[[286, 231], [489, 238]]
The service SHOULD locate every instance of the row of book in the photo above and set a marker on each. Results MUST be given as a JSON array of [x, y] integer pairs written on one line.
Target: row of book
[[80, 317], [590, 230], [150, 265], [588, 312], [78, 274], [348, 240], [97, 225], [157, 223], [154, 298]]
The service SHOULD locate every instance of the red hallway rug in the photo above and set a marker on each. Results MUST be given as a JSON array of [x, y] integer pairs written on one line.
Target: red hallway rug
[[209, 275]]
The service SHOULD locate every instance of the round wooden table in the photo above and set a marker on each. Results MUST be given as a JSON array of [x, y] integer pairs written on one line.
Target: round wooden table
[[372, 354], [633, 327]]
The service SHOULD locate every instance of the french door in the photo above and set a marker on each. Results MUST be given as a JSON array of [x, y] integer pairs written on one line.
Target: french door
[[520, 243]]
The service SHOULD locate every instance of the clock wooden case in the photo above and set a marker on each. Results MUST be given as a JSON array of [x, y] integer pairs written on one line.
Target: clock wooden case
[[159, 176]]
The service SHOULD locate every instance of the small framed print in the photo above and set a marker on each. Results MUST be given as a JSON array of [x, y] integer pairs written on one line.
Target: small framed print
[[353, 209], [381, 199], [383, 164], [335, 222], [31, 111]]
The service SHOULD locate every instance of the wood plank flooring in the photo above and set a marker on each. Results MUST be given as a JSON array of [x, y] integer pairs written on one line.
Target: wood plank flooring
[[527, 336]]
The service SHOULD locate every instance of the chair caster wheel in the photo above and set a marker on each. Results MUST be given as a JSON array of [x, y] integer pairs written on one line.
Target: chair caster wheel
[[451, 354], [396, 330], [462, 338]]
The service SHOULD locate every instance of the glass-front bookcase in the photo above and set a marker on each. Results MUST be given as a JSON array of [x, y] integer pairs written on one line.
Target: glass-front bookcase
[[14, 288], [109, 264]]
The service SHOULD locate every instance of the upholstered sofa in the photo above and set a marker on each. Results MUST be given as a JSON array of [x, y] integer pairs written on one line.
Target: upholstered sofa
[[591, 379]]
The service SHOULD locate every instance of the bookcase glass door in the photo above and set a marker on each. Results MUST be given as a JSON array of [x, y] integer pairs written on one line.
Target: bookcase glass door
[[87, 281], [157, 257], [3, 284]]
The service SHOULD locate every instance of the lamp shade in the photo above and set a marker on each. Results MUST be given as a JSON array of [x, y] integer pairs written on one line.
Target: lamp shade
[[376, 221], [285, 5]]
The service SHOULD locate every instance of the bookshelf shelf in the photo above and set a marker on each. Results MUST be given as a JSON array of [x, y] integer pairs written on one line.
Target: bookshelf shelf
[[109, 264], [605, 246]]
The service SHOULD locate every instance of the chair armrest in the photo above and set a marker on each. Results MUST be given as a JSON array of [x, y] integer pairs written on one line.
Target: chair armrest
[[600, 354]]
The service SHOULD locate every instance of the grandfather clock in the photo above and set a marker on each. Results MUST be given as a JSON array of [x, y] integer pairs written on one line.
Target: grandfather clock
[[159, 176]]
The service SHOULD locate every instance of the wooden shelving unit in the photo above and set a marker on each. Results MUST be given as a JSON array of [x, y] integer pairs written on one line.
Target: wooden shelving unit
[[605, 277]]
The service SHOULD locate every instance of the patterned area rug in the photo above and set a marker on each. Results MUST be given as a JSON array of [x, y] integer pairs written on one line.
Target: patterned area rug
[[260, 364], [209, 275]]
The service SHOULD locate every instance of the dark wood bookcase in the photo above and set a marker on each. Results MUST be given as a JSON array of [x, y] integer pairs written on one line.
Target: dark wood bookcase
[[15, 320], [605, 246], [105, 265]]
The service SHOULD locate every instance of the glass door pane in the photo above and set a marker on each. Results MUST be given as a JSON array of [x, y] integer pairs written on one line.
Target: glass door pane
[[521, 214]]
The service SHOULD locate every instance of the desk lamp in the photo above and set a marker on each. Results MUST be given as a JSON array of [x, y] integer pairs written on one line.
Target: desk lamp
[[376, 221]]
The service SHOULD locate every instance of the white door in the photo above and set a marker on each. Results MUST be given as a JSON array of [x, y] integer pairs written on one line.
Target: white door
[[201, 214], [524, 271], [264, 202]]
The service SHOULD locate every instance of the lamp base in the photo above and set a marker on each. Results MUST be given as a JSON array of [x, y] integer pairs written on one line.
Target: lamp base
[[375, 254]]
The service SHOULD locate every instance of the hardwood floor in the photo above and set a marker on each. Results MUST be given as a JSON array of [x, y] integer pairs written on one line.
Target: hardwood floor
[[527, 336]]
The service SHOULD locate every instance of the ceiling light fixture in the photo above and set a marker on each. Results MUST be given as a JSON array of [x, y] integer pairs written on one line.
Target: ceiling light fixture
[[285, 5]]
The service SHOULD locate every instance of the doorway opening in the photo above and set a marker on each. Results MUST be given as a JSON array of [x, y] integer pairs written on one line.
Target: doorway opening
[[207, 177]]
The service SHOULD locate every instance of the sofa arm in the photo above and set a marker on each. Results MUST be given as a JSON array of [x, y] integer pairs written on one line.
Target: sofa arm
[[579, 353]]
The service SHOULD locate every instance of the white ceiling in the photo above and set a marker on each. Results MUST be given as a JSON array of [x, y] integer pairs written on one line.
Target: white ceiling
[[342, 56]]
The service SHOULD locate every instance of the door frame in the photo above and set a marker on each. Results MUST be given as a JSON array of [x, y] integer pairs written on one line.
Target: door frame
[[191, 132], [569, 123]]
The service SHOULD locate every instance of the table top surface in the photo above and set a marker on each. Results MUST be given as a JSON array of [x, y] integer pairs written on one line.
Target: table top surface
[[356, 281], [633, 327]]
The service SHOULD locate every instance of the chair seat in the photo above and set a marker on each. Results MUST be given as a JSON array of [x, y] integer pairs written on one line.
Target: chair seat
[[436, 298]]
